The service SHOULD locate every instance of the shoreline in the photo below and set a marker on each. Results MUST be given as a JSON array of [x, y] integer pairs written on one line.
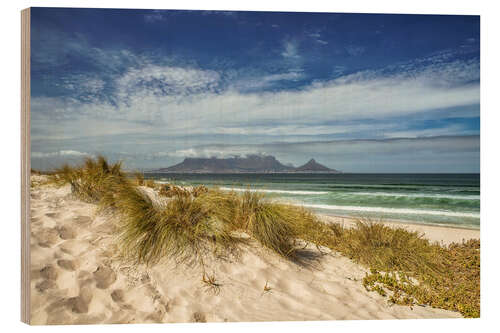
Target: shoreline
[[442, 234], [402, 222]]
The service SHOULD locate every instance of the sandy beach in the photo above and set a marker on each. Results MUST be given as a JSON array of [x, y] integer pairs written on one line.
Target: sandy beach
[[77, 277], [441, 234]]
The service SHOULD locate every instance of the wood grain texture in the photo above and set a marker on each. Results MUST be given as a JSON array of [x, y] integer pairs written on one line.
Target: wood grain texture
[[25, 164]]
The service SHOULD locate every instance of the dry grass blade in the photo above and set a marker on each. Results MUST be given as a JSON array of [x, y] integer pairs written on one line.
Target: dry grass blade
[[170, 191], [267, 288], [211, 283]]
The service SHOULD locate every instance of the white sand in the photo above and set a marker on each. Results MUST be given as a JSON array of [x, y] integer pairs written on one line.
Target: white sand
[[76, 278]]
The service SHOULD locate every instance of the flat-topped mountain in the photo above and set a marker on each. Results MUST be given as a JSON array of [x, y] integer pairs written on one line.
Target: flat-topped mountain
[[248, 164]]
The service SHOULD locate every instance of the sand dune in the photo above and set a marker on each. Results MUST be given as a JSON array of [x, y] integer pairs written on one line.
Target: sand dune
[[77, 277]]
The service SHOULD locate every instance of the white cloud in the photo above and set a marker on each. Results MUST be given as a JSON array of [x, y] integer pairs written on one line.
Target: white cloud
[[265, 81], [92, 85], [61, 153], [165, 79], [185, 101], [214, 152], [453, 129]]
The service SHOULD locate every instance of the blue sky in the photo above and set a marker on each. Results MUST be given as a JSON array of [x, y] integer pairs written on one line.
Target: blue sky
[[358, 92]]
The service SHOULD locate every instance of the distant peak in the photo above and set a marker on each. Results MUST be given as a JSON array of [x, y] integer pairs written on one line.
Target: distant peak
[[314, 166], [256, 163]]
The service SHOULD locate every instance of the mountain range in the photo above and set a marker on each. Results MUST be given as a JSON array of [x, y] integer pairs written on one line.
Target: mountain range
[[248, 164]]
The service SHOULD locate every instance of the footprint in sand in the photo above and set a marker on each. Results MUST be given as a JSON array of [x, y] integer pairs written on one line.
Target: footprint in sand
[[82, 221], [74, 247], [53, 215], [45, 285], [56, 314], [199, 317], [69, 265], [118, 296], [66, 232], [104, 277], [49, 272], [47, 237], [80, 303]]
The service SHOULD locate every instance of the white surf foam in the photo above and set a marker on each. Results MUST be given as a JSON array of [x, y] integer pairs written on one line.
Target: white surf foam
[[417, 195], [272, 191], [392, 210]]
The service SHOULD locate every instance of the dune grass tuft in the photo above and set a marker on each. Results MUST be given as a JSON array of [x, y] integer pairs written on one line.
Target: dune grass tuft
[[170, 191], [274, 225], [187, 225], [93, 180], [182, 227]]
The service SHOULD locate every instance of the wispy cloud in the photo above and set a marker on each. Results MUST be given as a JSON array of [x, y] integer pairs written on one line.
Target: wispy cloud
[[316, 36], [291, 50], [61, 153], [165, 80], [185, 100], [260, 82], [213, 152]]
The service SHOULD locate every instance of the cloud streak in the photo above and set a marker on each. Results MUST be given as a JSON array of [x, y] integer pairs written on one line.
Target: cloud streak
[[183, 100], [61, 153], [456, 153]]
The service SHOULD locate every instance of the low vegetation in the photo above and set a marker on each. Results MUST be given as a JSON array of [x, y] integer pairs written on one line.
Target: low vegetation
[[188, 223], [93, 180], [412, 271]]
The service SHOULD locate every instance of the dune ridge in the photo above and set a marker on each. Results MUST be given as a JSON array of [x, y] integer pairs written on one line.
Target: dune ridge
[[77, 277]]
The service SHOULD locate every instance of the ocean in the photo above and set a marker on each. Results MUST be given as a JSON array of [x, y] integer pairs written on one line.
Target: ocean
[[436, 199]]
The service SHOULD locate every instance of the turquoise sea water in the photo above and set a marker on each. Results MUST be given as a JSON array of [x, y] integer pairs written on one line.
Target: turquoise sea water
[[442, 199]]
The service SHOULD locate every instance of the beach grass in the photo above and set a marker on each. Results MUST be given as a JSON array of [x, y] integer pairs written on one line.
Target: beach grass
[[186, 224], [182, 227], [407, 268], [93, 180]]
